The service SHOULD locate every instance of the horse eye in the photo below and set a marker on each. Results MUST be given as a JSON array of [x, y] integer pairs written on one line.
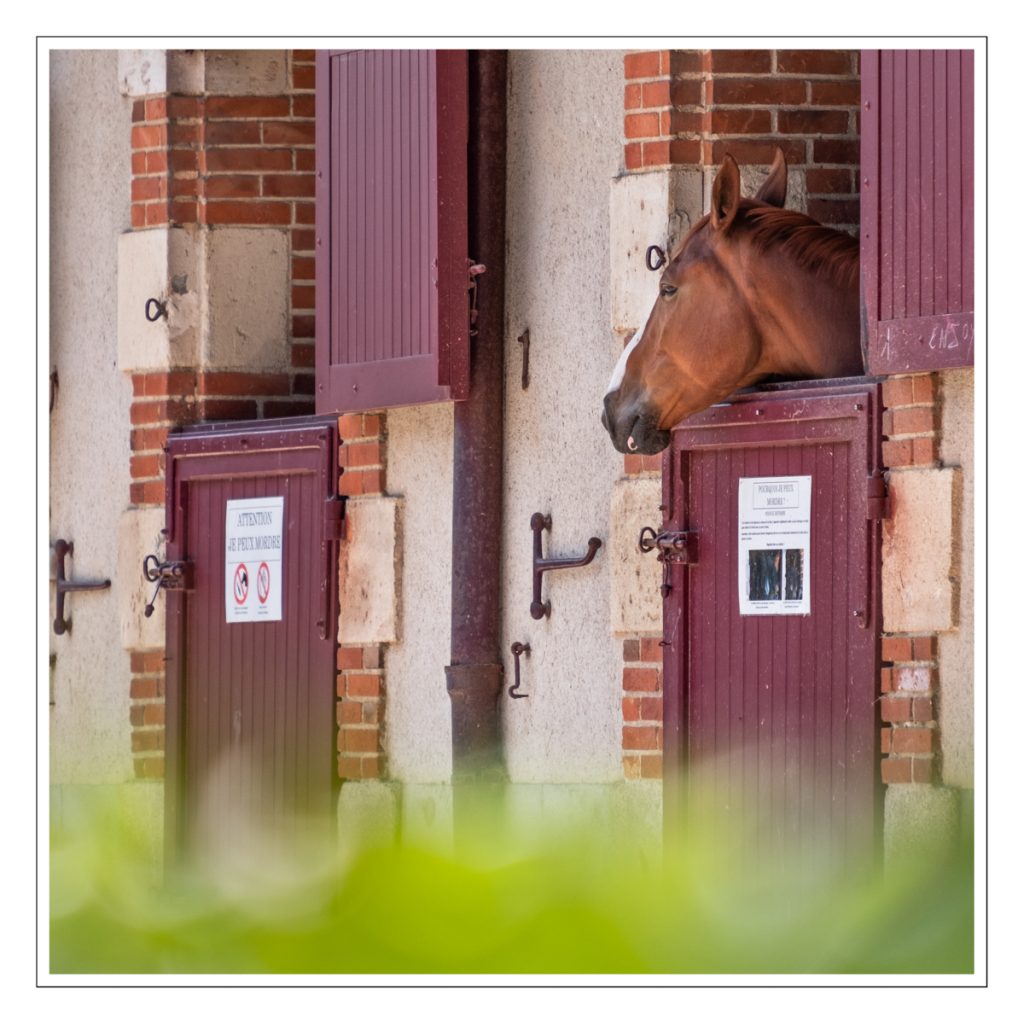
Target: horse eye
[[668, 289]]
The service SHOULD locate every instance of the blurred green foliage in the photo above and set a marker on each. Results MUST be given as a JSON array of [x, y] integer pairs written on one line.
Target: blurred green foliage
[[568, 904]]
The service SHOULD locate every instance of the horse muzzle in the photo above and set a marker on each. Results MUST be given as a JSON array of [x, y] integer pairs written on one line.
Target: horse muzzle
[[632, 433]]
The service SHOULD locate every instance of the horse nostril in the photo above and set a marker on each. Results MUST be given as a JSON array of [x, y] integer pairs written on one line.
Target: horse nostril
[[631, 444]]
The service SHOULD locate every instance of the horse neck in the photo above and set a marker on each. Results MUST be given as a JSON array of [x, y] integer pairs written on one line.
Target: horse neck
[[809, 322]]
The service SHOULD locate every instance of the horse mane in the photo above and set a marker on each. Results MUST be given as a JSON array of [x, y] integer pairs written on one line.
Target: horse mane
[[810, 244]]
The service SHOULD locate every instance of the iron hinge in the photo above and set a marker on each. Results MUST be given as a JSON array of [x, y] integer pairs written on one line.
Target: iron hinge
[[334, 518], [878, 505]]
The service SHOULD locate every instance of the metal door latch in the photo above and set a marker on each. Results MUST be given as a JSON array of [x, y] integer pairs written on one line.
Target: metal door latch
[[169, 575], [517, 649], [63, 548], [674, 547]]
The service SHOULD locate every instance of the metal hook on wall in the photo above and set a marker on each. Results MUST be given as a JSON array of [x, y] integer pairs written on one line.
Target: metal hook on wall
[[517, 650], [659, 253], [538, 523], [63, 548], [155, 309]]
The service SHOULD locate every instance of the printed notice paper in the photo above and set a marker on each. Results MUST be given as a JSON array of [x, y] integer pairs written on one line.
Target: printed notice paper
[[254, 529], [775, 545]]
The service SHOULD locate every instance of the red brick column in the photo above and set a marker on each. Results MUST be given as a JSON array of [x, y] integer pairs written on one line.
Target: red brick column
[[360, 712], [642, 708], [909, 421], [146, 712], [909, 690], [361, 681], [909, 678]]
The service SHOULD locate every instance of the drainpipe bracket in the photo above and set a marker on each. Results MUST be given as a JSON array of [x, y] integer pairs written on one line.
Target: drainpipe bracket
[[474, 682]]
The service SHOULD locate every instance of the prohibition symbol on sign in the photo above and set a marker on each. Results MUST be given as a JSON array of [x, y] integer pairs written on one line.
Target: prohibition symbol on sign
[[241, 583], [263, 582]]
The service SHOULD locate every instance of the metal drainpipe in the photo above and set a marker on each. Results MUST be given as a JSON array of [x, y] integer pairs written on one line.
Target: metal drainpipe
[[474, 676]]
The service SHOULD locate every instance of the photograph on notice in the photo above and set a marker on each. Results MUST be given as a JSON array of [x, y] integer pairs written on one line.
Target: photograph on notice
[[794, 574], [765, 576]]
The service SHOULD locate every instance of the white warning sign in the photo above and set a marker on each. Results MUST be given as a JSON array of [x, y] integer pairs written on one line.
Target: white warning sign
[[253, 544], [775, 545]]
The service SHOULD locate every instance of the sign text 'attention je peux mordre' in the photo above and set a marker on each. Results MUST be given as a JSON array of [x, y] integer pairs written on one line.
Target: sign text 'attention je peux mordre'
[[253, 563]]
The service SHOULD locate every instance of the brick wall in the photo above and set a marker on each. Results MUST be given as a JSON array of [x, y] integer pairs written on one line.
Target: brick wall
[[360, 711], [361, 682], [909, 678], [162, 401], [909, 421], [146, 712], [909, 741], [691, 107], [642, 710]]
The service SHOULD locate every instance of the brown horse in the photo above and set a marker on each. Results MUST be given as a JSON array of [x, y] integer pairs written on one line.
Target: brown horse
[[754, 291]]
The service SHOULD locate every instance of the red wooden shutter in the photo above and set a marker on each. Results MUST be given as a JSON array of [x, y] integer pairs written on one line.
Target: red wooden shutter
[[917, 208], [392, 313]]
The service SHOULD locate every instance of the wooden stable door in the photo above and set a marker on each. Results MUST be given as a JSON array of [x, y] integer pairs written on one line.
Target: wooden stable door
[[253, 519], [771, 622]]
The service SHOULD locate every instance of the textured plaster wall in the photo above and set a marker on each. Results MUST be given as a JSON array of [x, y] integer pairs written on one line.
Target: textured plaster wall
[[90, 130], [564, 146], [417, 732], [957, 647]]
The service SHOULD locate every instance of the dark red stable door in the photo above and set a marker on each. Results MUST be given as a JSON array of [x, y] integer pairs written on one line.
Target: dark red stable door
[[253, 515], [771, 622]]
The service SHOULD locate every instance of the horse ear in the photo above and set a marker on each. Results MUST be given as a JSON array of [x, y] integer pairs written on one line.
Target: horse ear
[[725, 195], [773, 190]]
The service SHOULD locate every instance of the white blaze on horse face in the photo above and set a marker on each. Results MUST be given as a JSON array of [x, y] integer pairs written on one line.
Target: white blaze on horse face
[[620, 367]]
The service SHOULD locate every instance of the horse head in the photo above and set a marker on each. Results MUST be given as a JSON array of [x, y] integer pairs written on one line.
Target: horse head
[[753, 291]]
